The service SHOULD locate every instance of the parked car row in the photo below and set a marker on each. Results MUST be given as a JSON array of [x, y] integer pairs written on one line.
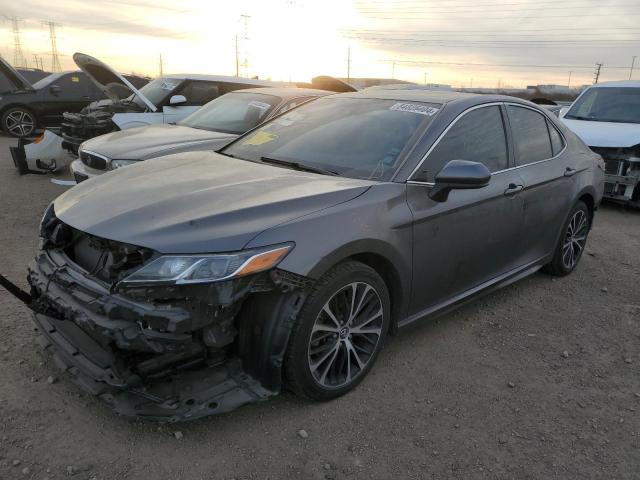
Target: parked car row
[[193, 283], [24, 106]]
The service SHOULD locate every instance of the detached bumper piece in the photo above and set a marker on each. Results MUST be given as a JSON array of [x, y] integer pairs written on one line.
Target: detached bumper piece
[[180, 397], [41, 156]]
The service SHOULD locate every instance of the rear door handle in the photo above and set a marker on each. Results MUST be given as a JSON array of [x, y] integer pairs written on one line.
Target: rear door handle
[[570, 171], [513, 189]]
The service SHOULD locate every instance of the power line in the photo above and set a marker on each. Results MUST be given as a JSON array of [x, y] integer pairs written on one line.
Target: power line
[[504, 65]]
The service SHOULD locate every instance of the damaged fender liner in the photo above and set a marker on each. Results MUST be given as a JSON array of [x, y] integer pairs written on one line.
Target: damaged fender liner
[[154, 357]]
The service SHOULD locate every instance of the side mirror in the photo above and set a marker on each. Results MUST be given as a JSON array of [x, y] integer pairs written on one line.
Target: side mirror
[[55, 90], [177, 100], [459, 175]]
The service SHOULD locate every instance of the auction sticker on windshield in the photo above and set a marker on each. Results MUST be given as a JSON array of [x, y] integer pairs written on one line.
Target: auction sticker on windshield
[[259, 138], [289, 119], [414, 108]]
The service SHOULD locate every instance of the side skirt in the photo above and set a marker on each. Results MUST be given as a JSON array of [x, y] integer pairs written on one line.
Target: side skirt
[[475, 292]]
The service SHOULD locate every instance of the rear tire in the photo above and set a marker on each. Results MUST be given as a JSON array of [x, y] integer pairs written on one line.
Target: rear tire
[[339, 332], [572, 241], [19, 122]]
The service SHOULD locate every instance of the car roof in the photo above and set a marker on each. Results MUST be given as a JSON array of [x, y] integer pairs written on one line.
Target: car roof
[[620, 83], [223, 78], [286, 93], [433, 96]]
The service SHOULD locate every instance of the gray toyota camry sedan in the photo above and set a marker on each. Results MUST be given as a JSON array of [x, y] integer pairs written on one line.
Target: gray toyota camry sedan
[[191, 284]]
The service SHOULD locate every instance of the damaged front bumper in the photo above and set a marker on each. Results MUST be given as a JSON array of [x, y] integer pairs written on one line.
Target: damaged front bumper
[[622, 174], [169, 354], [43, 155]]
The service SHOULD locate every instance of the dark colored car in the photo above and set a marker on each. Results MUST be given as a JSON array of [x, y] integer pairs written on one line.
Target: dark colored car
[[24, 107], [191, 284]]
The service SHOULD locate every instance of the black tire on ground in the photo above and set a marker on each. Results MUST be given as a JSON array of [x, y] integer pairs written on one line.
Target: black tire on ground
[[338, 323], [18, 122], [572, 241]]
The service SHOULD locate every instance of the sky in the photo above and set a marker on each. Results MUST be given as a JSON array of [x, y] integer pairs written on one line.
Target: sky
[[481, 43]]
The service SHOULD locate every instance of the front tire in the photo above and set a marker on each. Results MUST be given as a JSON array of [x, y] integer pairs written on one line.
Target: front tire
[[572, 241], [19, 122], [339, 333]]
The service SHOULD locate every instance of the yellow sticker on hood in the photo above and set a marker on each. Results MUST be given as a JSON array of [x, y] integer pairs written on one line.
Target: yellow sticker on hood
[[259, 138]]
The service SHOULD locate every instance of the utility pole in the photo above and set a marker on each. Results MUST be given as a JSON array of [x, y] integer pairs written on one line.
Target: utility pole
[[245, 39], [596, 75], [160, 65], [569, 82], [55, 61], [348, 64], [393, 69], [425, 78], [237, 59], [633, 64], [19, 59]]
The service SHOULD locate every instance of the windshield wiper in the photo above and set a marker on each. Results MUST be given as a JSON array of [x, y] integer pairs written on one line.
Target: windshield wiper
[[297, 166]]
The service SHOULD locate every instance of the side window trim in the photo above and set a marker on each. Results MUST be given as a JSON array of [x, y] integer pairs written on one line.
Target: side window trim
[[446, 130], [549, 125]]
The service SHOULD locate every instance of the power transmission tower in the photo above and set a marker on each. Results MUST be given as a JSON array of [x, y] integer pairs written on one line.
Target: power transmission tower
[[55, 60], [19, 59], [596, 75]]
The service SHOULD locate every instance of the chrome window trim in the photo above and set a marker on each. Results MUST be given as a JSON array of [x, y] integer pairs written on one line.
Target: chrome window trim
[[446, 130], [516, 167], [564, 140]]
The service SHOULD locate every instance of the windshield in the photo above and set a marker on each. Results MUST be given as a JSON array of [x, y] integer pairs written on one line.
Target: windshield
[[156, 90], [607, 104], [43, 82], [354, 137], [232, 113]]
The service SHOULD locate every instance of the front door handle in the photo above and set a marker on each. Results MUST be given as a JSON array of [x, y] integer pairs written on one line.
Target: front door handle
[[513, 189], [570, 171]]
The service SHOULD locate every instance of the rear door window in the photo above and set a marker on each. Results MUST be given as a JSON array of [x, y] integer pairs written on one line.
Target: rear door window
[[478, 136], [530, 134]]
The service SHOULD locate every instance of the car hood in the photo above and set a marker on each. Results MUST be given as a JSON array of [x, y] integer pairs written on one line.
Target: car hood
[[14, 77], [154, 140], [198, 202], [605, 134], [114, 85]]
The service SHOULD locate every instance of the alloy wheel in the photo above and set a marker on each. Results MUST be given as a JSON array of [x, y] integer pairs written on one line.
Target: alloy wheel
[[345, 335], [19, 123], [575, 239]]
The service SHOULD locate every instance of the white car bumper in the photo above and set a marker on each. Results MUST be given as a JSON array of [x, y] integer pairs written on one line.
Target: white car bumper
[[81, 172], [43, 155]]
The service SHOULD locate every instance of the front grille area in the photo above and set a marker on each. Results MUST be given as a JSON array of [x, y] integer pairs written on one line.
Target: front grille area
[[93, 161]]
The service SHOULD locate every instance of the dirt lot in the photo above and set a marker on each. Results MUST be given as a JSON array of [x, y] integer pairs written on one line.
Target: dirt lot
[[540, 380]]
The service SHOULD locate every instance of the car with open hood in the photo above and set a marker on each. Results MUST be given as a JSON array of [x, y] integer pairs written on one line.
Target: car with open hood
[[197, 282], [606, 116], [26, 106], [168, 99], [208, 128]]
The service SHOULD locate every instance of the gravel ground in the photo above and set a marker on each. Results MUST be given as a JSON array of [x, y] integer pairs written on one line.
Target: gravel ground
[[537, 381]]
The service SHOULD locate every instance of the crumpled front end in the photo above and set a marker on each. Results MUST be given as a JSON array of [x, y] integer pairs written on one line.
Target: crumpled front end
[[622, 173], [171, 352]]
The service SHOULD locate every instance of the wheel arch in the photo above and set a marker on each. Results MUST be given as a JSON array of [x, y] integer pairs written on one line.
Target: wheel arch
[[385, 260]]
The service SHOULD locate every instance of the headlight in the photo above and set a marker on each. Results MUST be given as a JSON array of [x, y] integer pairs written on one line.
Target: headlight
[[182, 269], [115, 164]]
